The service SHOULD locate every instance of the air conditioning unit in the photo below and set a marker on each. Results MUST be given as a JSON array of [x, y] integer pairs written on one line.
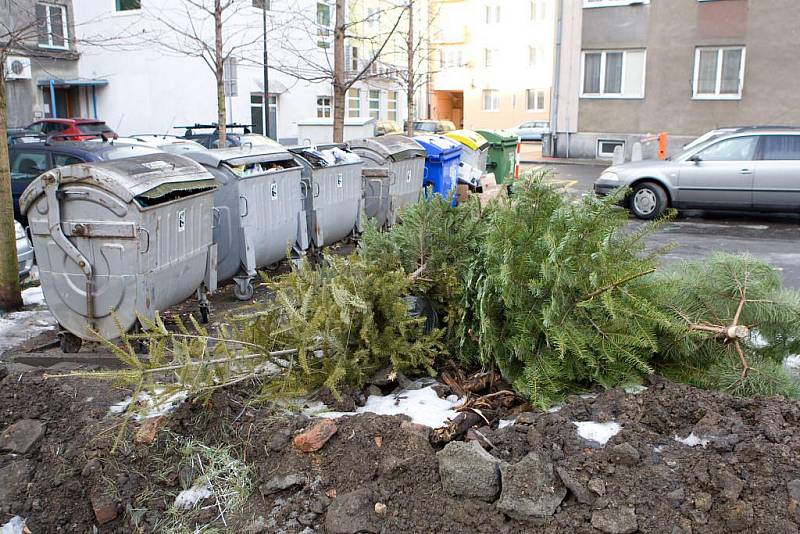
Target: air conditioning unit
[[18, 68]]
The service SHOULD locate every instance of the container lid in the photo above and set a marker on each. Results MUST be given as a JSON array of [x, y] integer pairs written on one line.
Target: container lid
[[469, 138], [150, 177], [438, 145], [499, 136], [323, 156], [244, 155], [395, 147]]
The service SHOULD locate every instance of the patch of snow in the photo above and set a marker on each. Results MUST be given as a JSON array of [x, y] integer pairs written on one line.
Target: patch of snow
[[589, 396], [88, 399], [597, 432], [18, 327], [692, 441], [792, 361], [635, 389], [33, 296], [657, 449], [16, 525], [757, 341], [504, 423], [188, 499], [423, 406], [554, 409], [155, 406]]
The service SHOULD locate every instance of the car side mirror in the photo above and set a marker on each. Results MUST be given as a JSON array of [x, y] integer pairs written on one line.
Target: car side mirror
[[696, 159]]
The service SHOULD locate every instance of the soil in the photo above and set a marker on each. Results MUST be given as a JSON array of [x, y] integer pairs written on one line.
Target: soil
[[736, 482]]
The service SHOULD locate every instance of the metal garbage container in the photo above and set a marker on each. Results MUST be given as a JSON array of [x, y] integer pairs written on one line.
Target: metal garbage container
[[121, 239], [259, 210], [393, 170], [332, 185], [441, 165], [502, 154]]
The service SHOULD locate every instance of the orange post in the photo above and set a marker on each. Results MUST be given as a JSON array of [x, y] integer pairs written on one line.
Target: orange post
[[516, 161], [662, 145]]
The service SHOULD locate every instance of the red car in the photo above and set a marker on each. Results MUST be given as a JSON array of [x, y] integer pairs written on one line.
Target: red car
[[71, 129]]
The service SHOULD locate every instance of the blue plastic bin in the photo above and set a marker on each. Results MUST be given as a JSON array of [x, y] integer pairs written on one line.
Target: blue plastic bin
[[441, 164]]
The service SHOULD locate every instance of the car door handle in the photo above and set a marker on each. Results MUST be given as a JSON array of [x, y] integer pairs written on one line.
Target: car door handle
[[746, 171]]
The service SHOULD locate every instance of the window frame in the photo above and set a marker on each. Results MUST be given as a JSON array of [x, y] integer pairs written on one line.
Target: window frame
[[618, 96], [762, 147], [391, 105], [48, 23], [349, 99], [533, 55], [608, 155], [720, 56], [537, 92], [371, 100], [230, 76], [591, 4], [323, 108], [120, 11], [324, 33], [495, 100]]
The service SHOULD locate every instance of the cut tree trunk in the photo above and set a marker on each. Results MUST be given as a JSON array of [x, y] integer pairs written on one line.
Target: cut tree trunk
[[10, 298], [339, 87], [410, 86], [219, 64]]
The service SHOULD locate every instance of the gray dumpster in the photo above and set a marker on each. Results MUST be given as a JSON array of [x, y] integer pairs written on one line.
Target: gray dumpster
[[259, 208], [333, 193], [386, 193], [120, 239]]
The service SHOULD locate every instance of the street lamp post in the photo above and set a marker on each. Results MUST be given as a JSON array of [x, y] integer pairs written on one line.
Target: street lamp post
[[266, 69]]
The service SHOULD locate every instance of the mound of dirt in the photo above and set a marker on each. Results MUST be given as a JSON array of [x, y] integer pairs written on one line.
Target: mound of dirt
[[677, 460]]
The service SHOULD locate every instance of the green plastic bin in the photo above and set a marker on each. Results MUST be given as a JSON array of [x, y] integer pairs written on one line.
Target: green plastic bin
[[502, 158]]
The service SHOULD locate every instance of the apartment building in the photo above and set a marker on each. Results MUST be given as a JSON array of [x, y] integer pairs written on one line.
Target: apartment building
[[629, 69], [41, 68], [492, 65]]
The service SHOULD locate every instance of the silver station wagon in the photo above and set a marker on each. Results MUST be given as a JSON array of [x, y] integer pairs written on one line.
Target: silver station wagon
[[754, 168]]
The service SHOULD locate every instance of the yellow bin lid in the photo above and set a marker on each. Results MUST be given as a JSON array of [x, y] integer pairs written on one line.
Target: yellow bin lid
[[469, 138]]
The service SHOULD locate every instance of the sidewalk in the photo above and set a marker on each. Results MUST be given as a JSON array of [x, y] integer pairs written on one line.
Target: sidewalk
[[531, 154]]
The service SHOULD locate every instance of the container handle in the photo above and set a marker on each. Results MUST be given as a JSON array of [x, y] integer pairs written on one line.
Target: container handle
[[394, 177], [319, 189], [425, 173], [303, 189], [145, 232], [246, 207], [215, 216]]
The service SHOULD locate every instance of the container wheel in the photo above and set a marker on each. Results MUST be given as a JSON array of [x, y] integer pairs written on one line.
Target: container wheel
[[246, 294], [204, 313], [70, 343]]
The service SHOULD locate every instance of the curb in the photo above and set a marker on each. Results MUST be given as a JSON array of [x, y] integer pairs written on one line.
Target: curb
[[587, 162]]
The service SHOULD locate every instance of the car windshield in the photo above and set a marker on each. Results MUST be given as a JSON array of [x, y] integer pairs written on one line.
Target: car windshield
[[122, 152], [95, 128], [425, 126]]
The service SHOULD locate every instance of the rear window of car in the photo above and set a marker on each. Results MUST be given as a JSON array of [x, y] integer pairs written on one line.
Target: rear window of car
[[781, 147], [27, 165], [127, 152], [425, 126], [94, 128]]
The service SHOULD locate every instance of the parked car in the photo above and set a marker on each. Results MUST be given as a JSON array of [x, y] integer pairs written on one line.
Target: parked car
[[235, 135], [532, 130], [72, 129], [752, 168], [387, 127], [433, 127], [29, 160], [24, 252], [168, 143]]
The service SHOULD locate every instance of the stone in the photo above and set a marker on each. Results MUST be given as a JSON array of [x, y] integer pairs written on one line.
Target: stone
[[793, 487], [737, 515], [467, 470], [531, 489], [416, 428], [22, 436], [380, 509], [316, 436], [319, 503], [615, 520], [597, 485], [527, 418], [476, 435], [307, 519], [280, 483], [676, 495], [105, 509], [14, 478], [703, 501], [353, 513], [373, 391], [624, 454], [258, 525], [277, 441], [406, 383], [146, 434], [91, 467], [534, 438], [580, 492], [384, 377], [727, 483]]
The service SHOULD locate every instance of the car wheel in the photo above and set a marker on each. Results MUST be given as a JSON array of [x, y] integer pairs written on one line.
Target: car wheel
[[648, 200]]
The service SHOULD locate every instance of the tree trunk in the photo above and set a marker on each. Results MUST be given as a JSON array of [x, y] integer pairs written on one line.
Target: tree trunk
[[338, 74], [410, 85], [10, 298], [219, 63]]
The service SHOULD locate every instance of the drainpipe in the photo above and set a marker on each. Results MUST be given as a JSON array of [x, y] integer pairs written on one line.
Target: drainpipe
[[53, 111], [557, 83], [94, 100]]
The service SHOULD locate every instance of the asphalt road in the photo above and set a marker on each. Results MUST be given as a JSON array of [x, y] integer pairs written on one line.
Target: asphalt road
[[696, 234]]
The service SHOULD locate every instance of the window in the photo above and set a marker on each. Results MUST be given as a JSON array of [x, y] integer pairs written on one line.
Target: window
[[391, 105], [257, 114], [373, 18], [612, 3], [374, 104], [532, 53], [230, 76], [613, 74], [132, 5], [324, 107], [323, 25], [719, 73], [354, 58], [535, 99], [28, 165], [781, 147], [262, 4], [488, 57], [491, 100], [354, 103], [606, 147], [538, 9], [492, 14], [734, 149], [62, 160], [52, 22]]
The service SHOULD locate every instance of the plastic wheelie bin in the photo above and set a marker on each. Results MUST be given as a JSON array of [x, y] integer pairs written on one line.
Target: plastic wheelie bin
[[502, 157], [393, 170], [441, 165], [475, 147], [332, 187], [259, 210], [120, 239]]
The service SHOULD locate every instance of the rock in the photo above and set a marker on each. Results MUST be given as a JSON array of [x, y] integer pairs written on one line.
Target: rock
[[615, 520], [527, 418], [676, 495], [793, 486], [531, 489], [280, 483], [467, 470], [580, 492], [352, 513], [404, 382], [22, 436], [597, 485], [278, 440], [147, 432], [373, 391], [380, 509], [703, 501], [384, 377], [316, 436], [476, 435], [534, 438], [737, 515], [727, 483], [307, 519], [14, 478], [624, 454], [105, 509], [258, 525], [416, 428], [319, 503], [91, 467]]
